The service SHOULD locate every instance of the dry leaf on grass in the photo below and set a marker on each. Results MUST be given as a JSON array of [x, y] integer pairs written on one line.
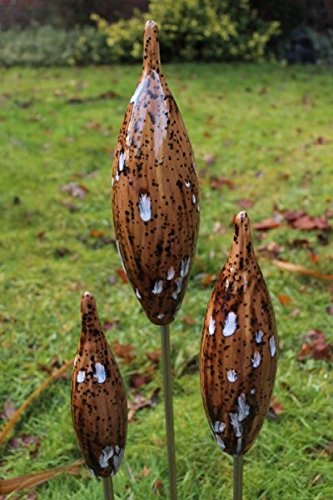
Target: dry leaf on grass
[[139, 402], [267, 224], [16, 416], [315, 346], [275, 409], [122, 275], [154, 356], [19, 483], [123, 351], [219, 182], [295, 268], [74, 189]]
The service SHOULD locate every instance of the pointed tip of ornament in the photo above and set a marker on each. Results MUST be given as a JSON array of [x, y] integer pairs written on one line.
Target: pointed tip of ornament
[[151, 46], [151, 25], [88, 302], [242, 218]]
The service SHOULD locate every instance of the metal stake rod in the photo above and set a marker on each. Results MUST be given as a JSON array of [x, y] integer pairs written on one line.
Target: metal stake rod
[[238, 477], [108, 488], [167, 380]]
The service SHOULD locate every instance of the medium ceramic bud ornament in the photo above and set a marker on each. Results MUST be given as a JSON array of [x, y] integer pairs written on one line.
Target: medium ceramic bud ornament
[[239, 348], [155, 195], [99, 404]]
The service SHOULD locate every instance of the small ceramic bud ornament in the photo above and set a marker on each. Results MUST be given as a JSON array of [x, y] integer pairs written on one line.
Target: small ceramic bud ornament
[[99, 404], [155, 195], [239, 348]]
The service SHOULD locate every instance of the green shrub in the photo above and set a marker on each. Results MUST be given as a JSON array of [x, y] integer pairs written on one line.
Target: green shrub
[[193, 30], [50, 46]]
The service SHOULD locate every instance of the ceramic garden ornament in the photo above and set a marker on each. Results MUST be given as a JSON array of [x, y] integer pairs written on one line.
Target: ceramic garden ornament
[[155, 195], [239, 348], [99, 404]]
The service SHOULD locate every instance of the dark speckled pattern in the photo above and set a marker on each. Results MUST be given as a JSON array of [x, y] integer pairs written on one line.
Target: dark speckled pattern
[[239, 348], [99, 404], [155, 195]]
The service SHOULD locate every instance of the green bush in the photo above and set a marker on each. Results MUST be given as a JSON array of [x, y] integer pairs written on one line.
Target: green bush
[[50, 46], [193, 30]]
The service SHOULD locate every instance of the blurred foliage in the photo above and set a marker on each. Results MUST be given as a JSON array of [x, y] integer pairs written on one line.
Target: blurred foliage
[[193, 30], [51, 46]]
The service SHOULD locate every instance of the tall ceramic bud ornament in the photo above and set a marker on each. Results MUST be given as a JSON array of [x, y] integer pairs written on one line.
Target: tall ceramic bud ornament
[[98, 399], [155, 192], [239, 348]]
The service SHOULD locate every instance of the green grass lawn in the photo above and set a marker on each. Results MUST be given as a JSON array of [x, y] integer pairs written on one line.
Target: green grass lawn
[[265, 128]]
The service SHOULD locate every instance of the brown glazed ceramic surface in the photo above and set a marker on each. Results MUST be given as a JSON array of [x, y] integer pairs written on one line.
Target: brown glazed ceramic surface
[[155, 192], [239, 348], [99, 404]]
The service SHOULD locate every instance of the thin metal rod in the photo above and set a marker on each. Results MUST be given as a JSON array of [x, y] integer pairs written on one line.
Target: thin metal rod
[[238, 477], [167, 381], [108, 488]]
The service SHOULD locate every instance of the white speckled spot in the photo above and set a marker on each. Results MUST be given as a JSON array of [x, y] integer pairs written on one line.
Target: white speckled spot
[[226, 284], [230, 324], [100, 373], [179, 284], [211, 326], [158, 287], [253, 390], [243, 408], [259, 336], [138, 294], [185, 266], [117, 177], [187, 184], [121, 162], [171, 273], [256, 359], [194, 200], [236, 425], [145, 207], [140, 88], [112, 181], [219, 442], [232, 375], [117, 458], [80, 377], [160, 316], [272, 345], [218, 426], [105, 456]]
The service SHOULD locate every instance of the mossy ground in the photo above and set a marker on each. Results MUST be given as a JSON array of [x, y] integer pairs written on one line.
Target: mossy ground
[[270, 131]]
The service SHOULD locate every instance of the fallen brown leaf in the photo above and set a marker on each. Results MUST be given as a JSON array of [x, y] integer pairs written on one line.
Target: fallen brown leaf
[[285, 300], [123, 351], [30, 480], [295, 268], [122, 275], [109, 325], [316, 347], [154, 356], [188, 320], [329, 309], [74, 189], [138, 380], [97, 233], [266, 224], [139, 402], [275, 409], [219, 182], [271, 250], [209, 159], [245, 203], [308, 223], [16, 416]]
